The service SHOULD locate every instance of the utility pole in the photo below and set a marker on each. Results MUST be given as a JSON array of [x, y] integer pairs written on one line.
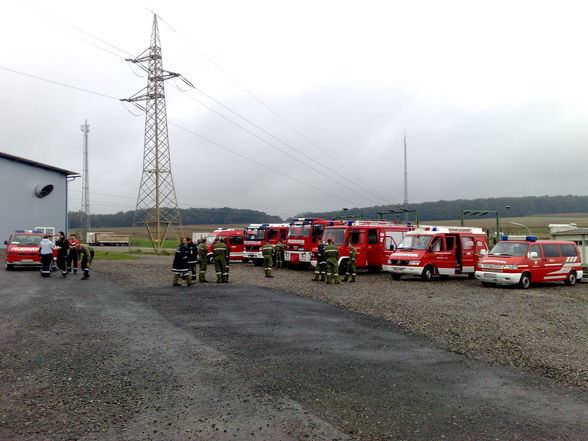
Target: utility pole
[[157, 205], [85, 218], [405, 183]]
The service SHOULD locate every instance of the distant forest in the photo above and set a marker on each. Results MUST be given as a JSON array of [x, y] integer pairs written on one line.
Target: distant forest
[[189, 216], [428, 211], [447, 210]]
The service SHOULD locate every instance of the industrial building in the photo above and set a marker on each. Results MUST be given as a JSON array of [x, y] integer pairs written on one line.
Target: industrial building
[[33, 195]]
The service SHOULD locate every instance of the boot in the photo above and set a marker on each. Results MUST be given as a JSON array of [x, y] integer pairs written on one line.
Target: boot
[[219, 277], [202, 277], [346, 277], [329, 278], [337, 281], [175, 280], [316, 276], [353, 277], [323, 279], [189, 279], [225, 278]]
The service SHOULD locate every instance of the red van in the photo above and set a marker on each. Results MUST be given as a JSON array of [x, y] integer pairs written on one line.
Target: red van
[[522, 260], [23, 249], [233, 239], [432, 250]]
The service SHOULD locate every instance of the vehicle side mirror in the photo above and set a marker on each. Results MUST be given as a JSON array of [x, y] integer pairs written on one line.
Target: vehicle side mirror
[[5, 242], [391, 247], [533, 255]]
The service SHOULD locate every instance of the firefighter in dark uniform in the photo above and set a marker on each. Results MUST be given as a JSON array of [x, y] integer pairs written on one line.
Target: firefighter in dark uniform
[[72, 257], [86, 252], [202, 260], [180, 266], [332, 258], [221, 252], [62, 253], [279, 252], [319, 271], [267, 252], [351, 264], [192, 256]]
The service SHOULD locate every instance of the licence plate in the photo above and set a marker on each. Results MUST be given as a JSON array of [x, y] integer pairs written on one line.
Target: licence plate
[[26, 260]]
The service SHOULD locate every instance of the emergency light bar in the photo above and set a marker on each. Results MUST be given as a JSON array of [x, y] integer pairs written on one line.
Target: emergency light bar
[[525, 238]]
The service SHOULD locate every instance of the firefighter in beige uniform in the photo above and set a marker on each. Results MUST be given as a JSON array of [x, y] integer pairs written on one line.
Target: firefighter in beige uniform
[[202, 260], [332, 257], [351, 265], [268, 252]]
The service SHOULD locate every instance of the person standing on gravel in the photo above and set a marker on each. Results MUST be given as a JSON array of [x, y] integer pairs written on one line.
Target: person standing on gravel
[[46, 251], [319, 272], [267, 251], [332, 258], [202, 260], [180, 266], [351, 264], [192, 256], [221, 252], [279, 253], [86, 252], [62, 252], [72, 257]]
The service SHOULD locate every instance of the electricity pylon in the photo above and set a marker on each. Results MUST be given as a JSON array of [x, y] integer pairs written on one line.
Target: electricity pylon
[[157, 205]]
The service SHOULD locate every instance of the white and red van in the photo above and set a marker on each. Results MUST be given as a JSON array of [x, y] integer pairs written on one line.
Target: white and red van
[[257, 235], [22, 249], [521, 260], [429, 250], [234, 238], [372, 240]]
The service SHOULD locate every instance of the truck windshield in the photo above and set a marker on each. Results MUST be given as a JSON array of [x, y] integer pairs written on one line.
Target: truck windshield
[[26, 239], [415, 242], [210, 240], [255, 234], [517, 249], [299, 230], [337, 234]]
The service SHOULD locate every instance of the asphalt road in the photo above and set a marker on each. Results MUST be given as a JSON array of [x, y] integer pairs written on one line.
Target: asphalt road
[[93, 361]]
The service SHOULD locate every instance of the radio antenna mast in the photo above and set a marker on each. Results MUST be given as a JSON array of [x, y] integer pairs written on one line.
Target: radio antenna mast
[[85, 224], [405, 183], [157, 204]]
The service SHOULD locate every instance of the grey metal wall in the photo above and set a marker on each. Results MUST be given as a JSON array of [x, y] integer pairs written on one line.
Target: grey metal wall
[[20, 208]]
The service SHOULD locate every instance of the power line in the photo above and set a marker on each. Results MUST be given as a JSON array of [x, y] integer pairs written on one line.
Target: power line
[[262, 103]]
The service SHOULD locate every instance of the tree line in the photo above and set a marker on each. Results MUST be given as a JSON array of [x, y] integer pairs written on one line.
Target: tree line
[[447, 210], [189, 216]]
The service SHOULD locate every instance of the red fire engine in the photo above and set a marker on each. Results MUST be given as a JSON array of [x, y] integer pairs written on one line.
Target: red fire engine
[[371, 239], [304, 235], [257, 235], [430, 250], [233, 239]]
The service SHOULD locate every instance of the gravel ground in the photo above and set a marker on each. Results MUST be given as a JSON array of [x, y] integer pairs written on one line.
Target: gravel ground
[[543, 328]]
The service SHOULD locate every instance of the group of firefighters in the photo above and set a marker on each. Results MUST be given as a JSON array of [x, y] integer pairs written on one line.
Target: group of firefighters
[[69, 251], [188, 254]]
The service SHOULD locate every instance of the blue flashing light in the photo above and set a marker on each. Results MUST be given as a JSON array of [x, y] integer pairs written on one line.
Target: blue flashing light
[[309, 218], [531, 238], [349, 223], [265, 225], [331, 223], [409, 224], [503, 237], [434, 229], [19, 231]]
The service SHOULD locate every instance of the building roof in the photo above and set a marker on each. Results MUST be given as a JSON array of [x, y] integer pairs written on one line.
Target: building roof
[[37, 164], [571, 232]]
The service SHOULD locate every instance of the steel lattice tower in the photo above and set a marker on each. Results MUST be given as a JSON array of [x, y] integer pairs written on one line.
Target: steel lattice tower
[[157, 206], [85, 221]]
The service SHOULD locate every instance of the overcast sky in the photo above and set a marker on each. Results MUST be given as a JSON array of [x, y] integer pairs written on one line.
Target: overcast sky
[[493, 97]]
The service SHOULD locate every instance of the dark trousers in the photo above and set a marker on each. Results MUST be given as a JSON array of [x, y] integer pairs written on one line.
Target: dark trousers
[[84, 264], [62, 263], [192, 266], [46, 264], [72, 258]]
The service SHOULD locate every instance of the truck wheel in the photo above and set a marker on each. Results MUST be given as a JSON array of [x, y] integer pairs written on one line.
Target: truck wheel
[[211, 259], [396, 276], [427, 274], [9, 267], [525, 281], [487, 284], [572, 279], [257, 262], [471, 275], [374, 269], [343, 268]]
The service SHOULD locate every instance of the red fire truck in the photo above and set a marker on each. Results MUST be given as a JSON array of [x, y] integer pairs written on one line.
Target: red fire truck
[[304, 235], [430, 250], [372, 239], [23, 249], [257, 235], [233, 239]]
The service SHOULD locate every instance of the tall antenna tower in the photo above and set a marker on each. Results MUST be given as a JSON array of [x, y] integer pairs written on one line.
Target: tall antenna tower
[[405, 183], [85, 218], [157, 205]]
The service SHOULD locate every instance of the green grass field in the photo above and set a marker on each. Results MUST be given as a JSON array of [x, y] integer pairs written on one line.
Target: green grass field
[[112, 255]]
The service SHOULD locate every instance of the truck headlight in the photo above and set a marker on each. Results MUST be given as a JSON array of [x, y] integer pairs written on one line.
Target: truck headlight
[[510, 267], [414, 262]]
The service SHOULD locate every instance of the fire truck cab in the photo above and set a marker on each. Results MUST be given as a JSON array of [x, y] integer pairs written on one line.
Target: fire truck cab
[[304, 234], [233, 239], [520, 260], [257, 235], [429, 250], [372, 240], [23, 249]]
